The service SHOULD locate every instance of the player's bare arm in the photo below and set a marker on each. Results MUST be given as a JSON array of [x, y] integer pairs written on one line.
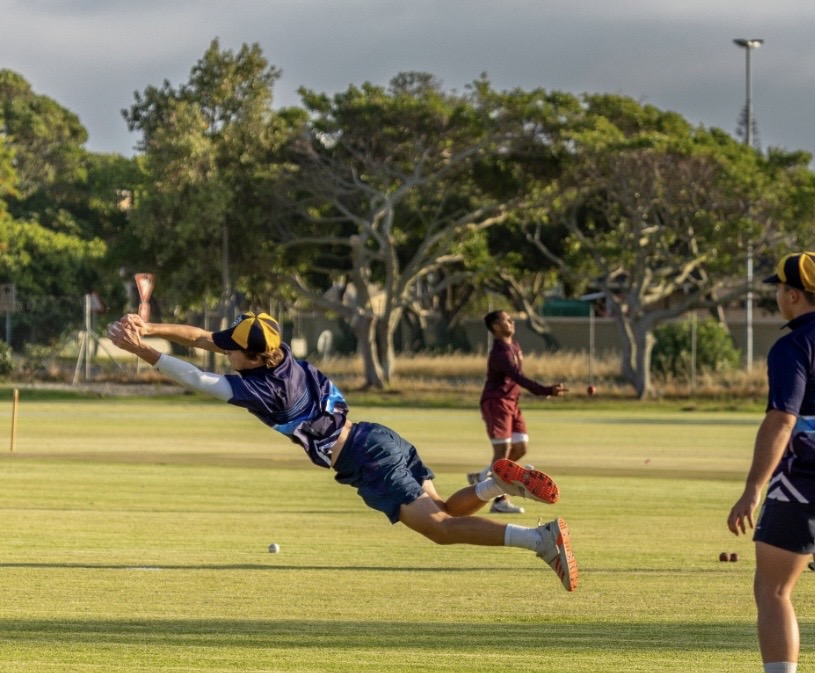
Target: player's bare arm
[[184, 335], [126, 335], [771, 441]]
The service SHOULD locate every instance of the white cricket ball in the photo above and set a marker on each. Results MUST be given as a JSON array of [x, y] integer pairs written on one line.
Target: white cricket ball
[[274, 548]]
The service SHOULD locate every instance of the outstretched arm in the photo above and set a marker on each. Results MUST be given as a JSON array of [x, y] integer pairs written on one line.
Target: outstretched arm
[[502, 362], [185, 335], [126, 336], [557, 389]]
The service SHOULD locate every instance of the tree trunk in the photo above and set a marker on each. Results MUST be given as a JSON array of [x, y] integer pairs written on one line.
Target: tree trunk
[[385, 349], [386, 331], [637, 342], [645, 345], [364, 328]]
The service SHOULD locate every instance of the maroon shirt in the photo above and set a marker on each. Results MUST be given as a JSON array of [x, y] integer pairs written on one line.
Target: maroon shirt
[[505, 375]]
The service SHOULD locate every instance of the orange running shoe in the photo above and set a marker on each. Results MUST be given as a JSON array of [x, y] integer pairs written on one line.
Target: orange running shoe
[[525, 482], [556, 549]]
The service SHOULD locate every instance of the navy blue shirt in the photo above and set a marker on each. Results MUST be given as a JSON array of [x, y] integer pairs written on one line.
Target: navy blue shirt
[[295, 399], [791, 374]]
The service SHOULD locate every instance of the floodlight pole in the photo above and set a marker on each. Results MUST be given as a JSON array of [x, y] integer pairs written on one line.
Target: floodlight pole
[[748, 45]]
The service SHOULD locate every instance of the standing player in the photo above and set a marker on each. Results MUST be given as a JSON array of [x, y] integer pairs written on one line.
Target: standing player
[[506, 427], [784, 456], [299, 401]]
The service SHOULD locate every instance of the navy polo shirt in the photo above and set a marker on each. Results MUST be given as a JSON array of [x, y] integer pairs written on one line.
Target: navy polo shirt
[[297, 400], [791, 374]]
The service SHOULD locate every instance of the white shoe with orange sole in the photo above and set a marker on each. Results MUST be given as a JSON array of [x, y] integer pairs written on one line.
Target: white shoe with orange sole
[[525, 482], [555, 548]]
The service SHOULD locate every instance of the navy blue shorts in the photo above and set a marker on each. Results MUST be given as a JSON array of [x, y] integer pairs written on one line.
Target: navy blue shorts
[[788, 525], [384, 468]]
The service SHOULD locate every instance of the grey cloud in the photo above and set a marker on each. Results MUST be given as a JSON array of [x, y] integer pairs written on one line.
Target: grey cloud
[[91, 55]]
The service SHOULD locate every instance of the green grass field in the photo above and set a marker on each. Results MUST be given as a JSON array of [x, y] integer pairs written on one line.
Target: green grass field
[[134, 535]]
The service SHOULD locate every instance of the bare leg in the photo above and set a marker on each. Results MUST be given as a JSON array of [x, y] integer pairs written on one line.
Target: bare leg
[[463, 502], [500, 451], [777, 571], [517, 452], [448, 522]]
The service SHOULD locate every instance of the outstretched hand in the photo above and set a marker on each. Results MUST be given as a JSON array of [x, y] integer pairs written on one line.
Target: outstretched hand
[[558, 389], [136, 321], [125, 334]]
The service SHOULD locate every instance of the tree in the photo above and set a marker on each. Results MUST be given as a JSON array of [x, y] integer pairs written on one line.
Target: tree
[[658, 216], [47, 141], [396, 187], [8, 174], [52, 271], [208, 165], [57, 205], [540, 149]]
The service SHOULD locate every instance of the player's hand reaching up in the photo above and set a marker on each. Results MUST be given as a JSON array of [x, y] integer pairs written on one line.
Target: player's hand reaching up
[[136, 321], [125, 334]]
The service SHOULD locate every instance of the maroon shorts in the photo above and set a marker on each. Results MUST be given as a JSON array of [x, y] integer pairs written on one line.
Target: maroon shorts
[[503, 419]]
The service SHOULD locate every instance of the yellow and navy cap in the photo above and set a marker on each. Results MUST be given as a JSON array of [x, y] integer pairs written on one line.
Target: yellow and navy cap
[[796, 270], [256, 333]]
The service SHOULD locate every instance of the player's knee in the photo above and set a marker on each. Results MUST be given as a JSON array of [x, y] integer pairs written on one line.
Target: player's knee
[[769, 593]]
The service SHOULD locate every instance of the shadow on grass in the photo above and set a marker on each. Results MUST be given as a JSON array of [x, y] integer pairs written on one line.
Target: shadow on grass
[[271, 566], [348, 635]]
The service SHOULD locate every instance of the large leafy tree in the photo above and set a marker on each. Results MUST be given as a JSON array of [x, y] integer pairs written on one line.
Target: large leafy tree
[[209, 166], [57, 203], [47, 140], [51, 272], [658, 217], [541, 151], [396, 188], [8, 174]]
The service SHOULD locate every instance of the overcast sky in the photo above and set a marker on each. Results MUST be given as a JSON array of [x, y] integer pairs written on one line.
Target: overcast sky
[[91, 55]]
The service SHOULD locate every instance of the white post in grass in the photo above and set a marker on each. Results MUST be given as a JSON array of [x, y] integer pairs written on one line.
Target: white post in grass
[[87, 337], [15, 403]]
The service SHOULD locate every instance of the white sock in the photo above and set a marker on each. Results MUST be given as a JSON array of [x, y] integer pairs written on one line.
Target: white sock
[[485, 473], [488, 489], [781, 667], [519, 536]]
